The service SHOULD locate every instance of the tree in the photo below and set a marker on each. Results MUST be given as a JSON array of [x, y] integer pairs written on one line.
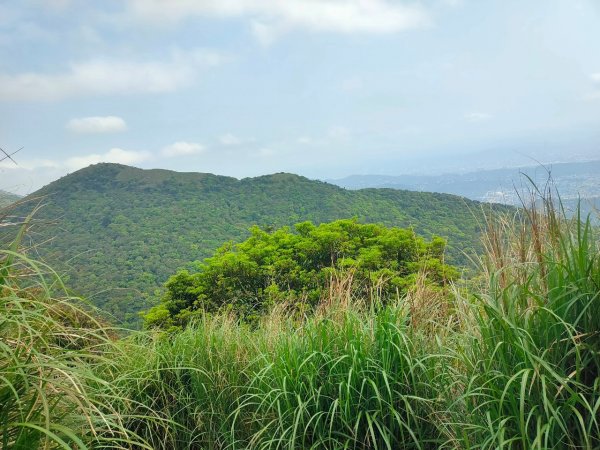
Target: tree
[[295, 267]]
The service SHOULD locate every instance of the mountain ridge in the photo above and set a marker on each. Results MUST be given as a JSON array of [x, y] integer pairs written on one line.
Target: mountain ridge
[[124, 230], [572, 179]]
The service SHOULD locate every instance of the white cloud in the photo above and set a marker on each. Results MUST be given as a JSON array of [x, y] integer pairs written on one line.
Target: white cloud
[[596, 77], [271, 17], [182, 148], [107, 124], [108, 76], [114, 155], [30, 164], [265, 34], [478, 117]]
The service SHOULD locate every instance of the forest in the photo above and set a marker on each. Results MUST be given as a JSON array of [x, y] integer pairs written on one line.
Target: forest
[[116, 233]]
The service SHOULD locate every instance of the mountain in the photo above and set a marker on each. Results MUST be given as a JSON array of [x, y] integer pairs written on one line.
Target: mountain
[[6, 198], [573, 180], [124, 230]]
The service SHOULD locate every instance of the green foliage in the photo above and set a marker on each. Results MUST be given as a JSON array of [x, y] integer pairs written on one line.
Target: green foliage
[[296, 269], [513, 365], [50, 395], [510, 361], [533, 369], [116, 233], [347, 379]]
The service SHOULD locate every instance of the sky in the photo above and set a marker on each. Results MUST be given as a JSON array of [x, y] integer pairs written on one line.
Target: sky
[[322, 88]]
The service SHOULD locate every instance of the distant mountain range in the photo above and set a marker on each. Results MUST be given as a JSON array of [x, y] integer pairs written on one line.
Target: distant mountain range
[[6, 198], [123, 231], [573, 180]]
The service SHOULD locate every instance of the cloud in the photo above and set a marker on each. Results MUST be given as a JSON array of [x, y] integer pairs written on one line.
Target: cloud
[[269, 18], [478, 117], [596, 77], [114, 155], [107, 124], [108, 76], [31, 164], [182, 148], [265, 34]]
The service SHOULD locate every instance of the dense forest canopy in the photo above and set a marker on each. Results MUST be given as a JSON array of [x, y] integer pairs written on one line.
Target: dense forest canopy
[[116, 233], [298, 269]]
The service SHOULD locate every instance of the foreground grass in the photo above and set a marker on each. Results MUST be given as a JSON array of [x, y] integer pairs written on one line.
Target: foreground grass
[[508, 361]]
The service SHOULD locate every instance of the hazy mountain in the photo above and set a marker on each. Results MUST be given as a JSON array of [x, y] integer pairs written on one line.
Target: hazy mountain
[[124, 230], [573, 180], [6, 198]]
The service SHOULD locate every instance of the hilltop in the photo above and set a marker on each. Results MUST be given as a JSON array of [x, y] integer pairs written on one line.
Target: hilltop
[[124, 230]]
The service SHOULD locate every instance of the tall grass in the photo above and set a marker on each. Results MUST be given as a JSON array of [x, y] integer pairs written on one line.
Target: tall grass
[[50, 395], [531, 367], [509, 360], [346, 378]]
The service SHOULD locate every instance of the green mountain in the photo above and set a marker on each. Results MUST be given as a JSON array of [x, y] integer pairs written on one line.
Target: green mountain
[[124, 230], [6, 198]]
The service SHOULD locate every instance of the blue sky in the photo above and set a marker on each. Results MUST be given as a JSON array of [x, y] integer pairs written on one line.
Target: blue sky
[[324, 88]]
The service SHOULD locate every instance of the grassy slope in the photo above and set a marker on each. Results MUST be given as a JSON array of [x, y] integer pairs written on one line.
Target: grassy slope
[[127, 230]]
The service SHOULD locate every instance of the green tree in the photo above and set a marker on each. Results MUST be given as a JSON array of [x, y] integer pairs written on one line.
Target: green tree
[[296, 268]]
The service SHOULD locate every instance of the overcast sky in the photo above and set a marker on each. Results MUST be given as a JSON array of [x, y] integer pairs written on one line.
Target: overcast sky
[[324, 88]]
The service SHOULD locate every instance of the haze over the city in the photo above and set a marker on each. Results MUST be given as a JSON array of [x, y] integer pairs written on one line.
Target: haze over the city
[[323, 88]]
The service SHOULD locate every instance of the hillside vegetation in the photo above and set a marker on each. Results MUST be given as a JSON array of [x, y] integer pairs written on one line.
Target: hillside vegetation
[[6, 198], [116, 233], [297, 270], [509, 361]]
